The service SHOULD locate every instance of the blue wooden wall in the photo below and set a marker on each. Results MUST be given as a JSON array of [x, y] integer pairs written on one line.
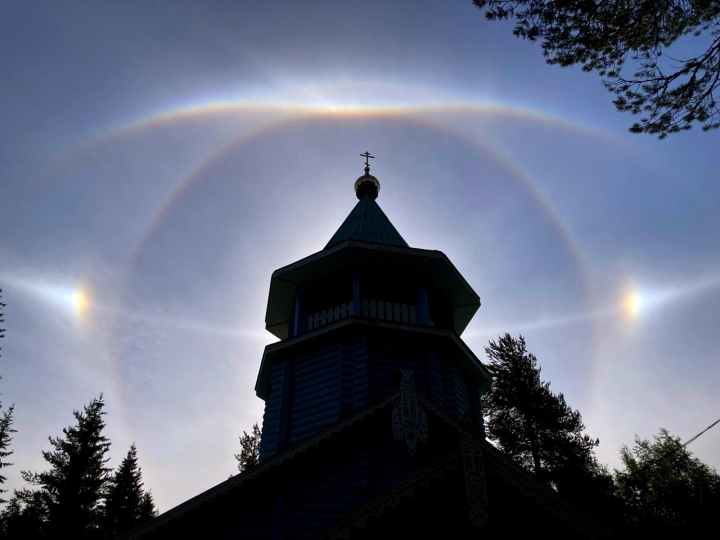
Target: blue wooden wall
[[315, 389]]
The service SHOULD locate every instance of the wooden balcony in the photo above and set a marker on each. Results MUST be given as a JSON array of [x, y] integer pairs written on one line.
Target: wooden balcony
[[372, 309]]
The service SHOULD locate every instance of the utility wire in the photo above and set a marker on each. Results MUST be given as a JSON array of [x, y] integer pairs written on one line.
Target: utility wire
[[703, 431], [674, 449]]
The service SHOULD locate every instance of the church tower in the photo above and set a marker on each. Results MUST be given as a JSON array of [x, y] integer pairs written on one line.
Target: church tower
[[372, 425], [356, 316]]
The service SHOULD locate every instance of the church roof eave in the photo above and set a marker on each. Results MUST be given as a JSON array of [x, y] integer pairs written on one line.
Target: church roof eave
[[465, 357], [494, 459], [433, 265]]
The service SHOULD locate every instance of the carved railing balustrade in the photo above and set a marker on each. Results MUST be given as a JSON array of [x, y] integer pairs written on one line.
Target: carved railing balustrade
[[370, 308]]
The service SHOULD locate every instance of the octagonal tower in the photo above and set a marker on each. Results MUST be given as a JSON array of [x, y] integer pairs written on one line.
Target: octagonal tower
[[355, 314]]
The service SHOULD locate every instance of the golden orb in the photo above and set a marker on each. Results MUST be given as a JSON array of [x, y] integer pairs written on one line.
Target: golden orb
[[367, 184]]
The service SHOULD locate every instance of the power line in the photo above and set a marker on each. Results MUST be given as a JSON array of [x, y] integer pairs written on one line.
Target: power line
[[671, 451], [703, 431]]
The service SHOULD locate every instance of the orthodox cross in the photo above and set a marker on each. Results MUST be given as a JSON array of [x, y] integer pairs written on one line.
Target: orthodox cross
[[367, 155]]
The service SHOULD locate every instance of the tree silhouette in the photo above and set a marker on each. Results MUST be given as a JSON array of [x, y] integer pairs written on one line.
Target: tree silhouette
[[250, 449], [530, 423], [71, 492], [537, 428], [671, 94], [6, 421], [2, 317], [126, 504], [667, 493], [6, 431], [25, 516]]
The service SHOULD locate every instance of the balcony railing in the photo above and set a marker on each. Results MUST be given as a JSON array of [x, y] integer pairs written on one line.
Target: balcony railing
[[389, 311], [326, 316], [372, 309]]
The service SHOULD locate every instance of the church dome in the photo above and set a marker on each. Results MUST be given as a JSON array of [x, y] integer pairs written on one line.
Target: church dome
[[367, 184]]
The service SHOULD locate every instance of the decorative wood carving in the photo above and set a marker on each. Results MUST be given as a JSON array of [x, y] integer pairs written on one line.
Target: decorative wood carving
[[408, 418], [475, 485]]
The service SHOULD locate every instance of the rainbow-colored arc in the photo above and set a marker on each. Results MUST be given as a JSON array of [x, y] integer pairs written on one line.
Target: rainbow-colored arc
[[270, 118], [275, 117], [280, 112]]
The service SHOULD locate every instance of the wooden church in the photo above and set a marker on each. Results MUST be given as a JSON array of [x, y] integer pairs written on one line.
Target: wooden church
[[372, 421]]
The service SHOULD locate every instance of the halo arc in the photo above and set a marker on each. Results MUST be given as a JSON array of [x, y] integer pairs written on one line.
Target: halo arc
[[409, 114]]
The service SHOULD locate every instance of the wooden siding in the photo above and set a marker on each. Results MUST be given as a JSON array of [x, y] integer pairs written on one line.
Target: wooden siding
[[463, 395], [306, 394], [271, 417], [354, 375], [436, 389], [316, 389], [386, 361], [315, 401]]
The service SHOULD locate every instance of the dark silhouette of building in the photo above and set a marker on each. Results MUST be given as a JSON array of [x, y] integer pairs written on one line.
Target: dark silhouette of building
[[372, 420]]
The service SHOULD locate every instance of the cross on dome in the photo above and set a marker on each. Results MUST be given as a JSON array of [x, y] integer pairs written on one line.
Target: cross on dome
[[367, 156], [367, 184]]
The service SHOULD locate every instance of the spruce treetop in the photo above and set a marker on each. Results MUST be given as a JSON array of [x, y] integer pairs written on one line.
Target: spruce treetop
[[127, 504], [2, 316], [6, 431], [73, 488], [249, 449]]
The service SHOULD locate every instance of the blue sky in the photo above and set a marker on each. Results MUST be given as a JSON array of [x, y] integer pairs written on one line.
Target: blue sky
[[161, 160]]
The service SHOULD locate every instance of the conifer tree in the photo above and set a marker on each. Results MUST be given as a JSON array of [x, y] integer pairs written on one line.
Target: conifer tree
[[530, 423], [6, 430], [2, 316], [25, 516], [147, 507], [71, 491], [6, 422], [249, 449], [537, 428], [127, 505], [611, 36]]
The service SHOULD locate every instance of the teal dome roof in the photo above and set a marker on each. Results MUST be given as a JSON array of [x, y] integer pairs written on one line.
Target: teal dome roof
[[367, 222]]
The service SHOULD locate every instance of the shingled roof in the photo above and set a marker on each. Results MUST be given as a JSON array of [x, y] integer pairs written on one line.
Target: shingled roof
[[367, 223]]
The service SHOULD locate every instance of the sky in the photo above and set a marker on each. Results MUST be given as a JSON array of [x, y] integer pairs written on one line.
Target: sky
[[160, 160]]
